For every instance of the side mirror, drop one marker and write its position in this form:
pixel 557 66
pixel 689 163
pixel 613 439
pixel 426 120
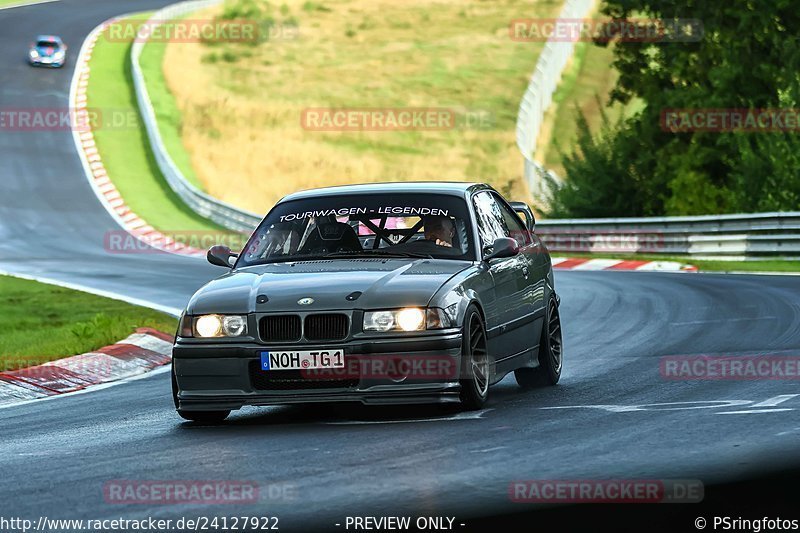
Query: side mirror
pixel 525 214
pixel 221 256
pixel 503 247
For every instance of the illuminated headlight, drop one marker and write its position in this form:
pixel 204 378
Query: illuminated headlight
pixel 59 55
pixel 34 54
pixel 208 326
pixel 411 319
pixel 407 319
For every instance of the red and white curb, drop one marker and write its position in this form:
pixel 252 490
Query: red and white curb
pixel 93 166
pixel 565 263
pixel 135 355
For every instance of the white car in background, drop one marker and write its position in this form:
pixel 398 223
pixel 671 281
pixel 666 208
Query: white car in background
pixel 47 51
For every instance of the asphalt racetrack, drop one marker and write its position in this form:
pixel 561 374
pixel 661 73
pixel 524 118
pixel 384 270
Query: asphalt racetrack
pixel 612 416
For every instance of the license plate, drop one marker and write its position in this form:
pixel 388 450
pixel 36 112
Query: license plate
pixel 302 360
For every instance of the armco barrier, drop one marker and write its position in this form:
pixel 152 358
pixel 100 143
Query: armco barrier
pixel 765 235
pixel 539 95
pixel 205 205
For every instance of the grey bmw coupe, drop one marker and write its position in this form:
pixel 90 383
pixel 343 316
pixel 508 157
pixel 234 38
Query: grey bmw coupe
pixel 396 293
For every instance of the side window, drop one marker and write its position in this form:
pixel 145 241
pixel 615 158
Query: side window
pixel 491 222
pixel 514 224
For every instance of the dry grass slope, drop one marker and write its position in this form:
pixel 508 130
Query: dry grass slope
pixel 242 103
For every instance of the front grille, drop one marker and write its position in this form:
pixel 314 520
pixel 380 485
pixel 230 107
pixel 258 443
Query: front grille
pixel 279 328
pixel 326 327
pixel 293 380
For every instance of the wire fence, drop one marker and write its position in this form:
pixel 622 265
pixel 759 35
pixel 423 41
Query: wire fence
pixel 539 95
pixel 203 204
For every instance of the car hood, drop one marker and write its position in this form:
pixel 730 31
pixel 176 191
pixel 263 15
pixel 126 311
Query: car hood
pixel 383 283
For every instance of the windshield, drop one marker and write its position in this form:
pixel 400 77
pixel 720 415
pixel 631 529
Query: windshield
pixel 375 225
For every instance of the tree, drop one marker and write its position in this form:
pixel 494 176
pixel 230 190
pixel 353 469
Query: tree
pixel 747 57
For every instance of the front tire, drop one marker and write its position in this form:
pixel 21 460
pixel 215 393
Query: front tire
pixel 475 367
pixel 551 352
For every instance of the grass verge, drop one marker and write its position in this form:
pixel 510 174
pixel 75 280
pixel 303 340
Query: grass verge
pixel 123 144
pixel 18 3
pixel 766 265
pixel 40 322
pixel 242 104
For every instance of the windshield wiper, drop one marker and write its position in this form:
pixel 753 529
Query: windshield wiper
pixel 380 253
pixel 342 255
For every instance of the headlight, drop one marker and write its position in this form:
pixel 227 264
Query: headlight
pixel 208 326
pixel 411 319
pixel 234 325
pixel 34 54
pixel 407 319
pixel 379 320
pixel 59 55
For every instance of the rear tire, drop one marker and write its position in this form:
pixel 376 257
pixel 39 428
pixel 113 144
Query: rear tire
pixel 203 417
pixel 551 354
pixel 475 367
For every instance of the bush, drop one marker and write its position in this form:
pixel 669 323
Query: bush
pixel 605 176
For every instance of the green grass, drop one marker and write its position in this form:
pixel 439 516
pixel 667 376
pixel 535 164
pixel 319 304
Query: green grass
pixel 242 103
pixel 767 265
pixel 169 118
pixel 15 3
pixel 40 322
pixel 125 149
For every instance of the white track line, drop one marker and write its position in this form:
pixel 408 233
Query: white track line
pixel 756 411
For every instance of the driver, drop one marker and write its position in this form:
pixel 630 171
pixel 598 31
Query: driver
pixel 439 230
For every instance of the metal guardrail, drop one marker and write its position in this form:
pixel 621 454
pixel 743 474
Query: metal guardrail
pixel 539 95
pixel 205 205
pixel 746 236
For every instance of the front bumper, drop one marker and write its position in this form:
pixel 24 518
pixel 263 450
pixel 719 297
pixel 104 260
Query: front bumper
pixel 41 62
pixel 226 376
